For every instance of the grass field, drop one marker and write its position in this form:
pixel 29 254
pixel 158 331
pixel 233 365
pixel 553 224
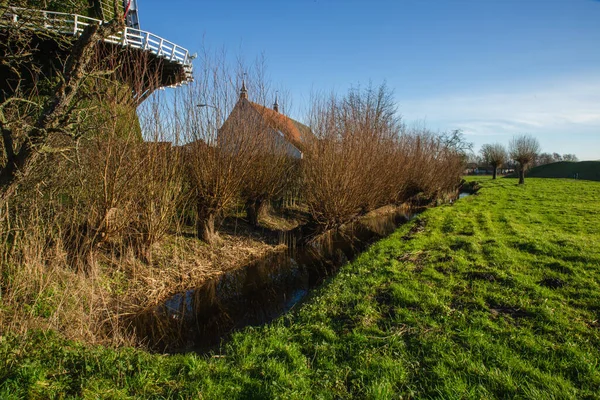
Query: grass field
pixel 496 296
pixel 588 170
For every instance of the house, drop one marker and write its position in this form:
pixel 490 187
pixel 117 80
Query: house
pixel 292 135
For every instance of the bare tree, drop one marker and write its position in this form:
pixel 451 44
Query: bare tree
pixel 524 150
pixel 241 159
pixel 544 158
pixel 365 158
pixel 431 165
pixel 494 155
pixel 271 172
pixel 25 122
pixel 455 140
pixel 349 168
pixel 547 158
pixel 557 157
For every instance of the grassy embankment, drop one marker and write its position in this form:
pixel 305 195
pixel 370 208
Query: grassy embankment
pixel 495 296
pixel 588 170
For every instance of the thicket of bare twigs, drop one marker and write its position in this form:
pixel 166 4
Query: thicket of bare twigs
pixel 363 157
pixel 227 162
pixel 82 198
pixel 94 220
pixel 88 213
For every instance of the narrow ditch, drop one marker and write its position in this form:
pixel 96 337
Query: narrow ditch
pixel 258 293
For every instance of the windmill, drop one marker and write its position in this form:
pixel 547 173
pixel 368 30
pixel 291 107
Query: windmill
pixel 131 14
pixel 171 63
pixel 128 8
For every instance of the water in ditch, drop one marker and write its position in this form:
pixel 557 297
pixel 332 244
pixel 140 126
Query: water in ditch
pixel 199 319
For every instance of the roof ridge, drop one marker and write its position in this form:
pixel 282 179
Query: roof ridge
pixel 277 113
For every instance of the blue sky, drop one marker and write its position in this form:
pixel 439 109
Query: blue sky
pixel 494 68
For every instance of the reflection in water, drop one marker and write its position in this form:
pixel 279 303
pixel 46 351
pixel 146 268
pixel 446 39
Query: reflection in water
pixel 198 319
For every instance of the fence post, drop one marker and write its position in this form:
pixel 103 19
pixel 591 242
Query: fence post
pixel 75 26
pixel 160 46
pixel 146 42
pixel 124 40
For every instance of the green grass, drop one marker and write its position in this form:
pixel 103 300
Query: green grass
pixel 497 296
pixel 589 170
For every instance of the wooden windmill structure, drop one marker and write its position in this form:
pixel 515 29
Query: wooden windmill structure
pixel 165 64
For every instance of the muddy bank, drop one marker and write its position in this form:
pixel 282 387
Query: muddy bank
pixel 269 286
pixel 198 319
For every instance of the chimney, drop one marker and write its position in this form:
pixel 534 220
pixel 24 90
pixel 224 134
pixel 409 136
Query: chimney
pixel 243 91
pixel 276 105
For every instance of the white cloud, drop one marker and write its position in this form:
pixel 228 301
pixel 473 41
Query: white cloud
pixel 567 109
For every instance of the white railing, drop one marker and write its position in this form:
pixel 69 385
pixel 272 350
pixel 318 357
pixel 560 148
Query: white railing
pixel 74 24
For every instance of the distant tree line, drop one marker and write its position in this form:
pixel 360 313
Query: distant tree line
pixel 547 158
pixel 523 153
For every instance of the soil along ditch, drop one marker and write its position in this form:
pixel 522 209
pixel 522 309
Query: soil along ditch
pixel 198 319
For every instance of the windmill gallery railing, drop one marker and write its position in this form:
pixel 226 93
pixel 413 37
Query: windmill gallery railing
pixel 73 24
